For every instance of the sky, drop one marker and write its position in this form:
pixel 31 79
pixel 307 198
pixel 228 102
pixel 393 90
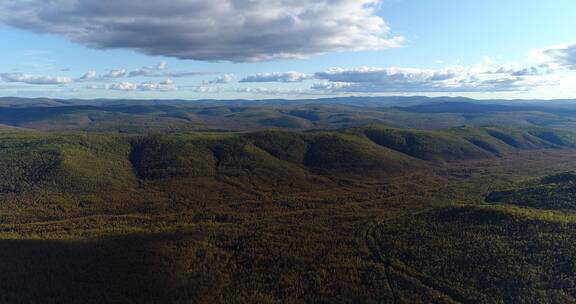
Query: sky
pixel 256 49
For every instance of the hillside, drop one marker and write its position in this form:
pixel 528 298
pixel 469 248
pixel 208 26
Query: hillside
pixel 362 214
pixel 84 162
pixel 474 254
pixel 554 192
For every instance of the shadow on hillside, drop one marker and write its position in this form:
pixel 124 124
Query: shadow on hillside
pixel 135 269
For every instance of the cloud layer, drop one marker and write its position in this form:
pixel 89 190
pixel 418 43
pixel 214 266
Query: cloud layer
pixel 224 79
pixel 233 30
pixel 557 56
pixel 35 79
pixel 277 77
pixel 164 86
pixel 454 79
pixel 545 67
pixel 148 70
pixel 482 77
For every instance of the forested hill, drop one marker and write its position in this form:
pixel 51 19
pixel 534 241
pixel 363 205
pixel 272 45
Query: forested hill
pixel 282 160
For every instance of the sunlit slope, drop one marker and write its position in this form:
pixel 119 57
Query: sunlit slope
pixel 480 255
pixel 69 163
pixel 465 143
pixel 91 162
pixel 554 192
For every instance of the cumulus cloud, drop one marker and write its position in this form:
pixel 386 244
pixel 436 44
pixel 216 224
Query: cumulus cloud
pixel 278 77
pixel 90 75
pixel 163 86
pixel 387 75
pixel 167 85
pixel 123 86
pixel 206 89
pixel 158 71
pixel 183 74
pixel 331 86
pixel 149 70
pixel 116 73
pixel 557 56
pixel 36 79
pixel 232 30
pixel 224 79
pixel 454 79
pixel 270 91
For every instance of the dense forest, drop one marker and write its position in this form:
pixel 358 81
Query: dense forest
pixel 148 203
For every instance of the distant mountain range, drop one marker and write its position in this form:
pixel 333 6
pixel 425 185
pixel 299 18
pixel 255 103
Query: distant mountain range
pixel 379 101
pixel 136 116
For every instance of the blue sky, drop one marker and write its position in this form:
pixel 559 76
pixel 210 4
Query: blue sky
pixel 481 49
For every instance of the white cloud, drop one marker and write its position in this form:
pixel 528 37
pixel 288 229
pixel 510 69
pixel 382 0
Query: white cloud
pixel 270 91
pixel 123 86
pixel 387 75
pixel 164 86
pixel 36 79
pixel 95 87
pixel 479 78
pixel 116 73
pixel 224 79
pixel 206 89
pixel 90 75
pixel 277 77
pixel 233 30
pixel 182 74
pixel 331 86
pixel 158 71
pixel 149 70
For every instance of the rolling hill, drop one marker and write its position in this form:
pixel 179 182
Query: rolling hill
pixel 156 202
